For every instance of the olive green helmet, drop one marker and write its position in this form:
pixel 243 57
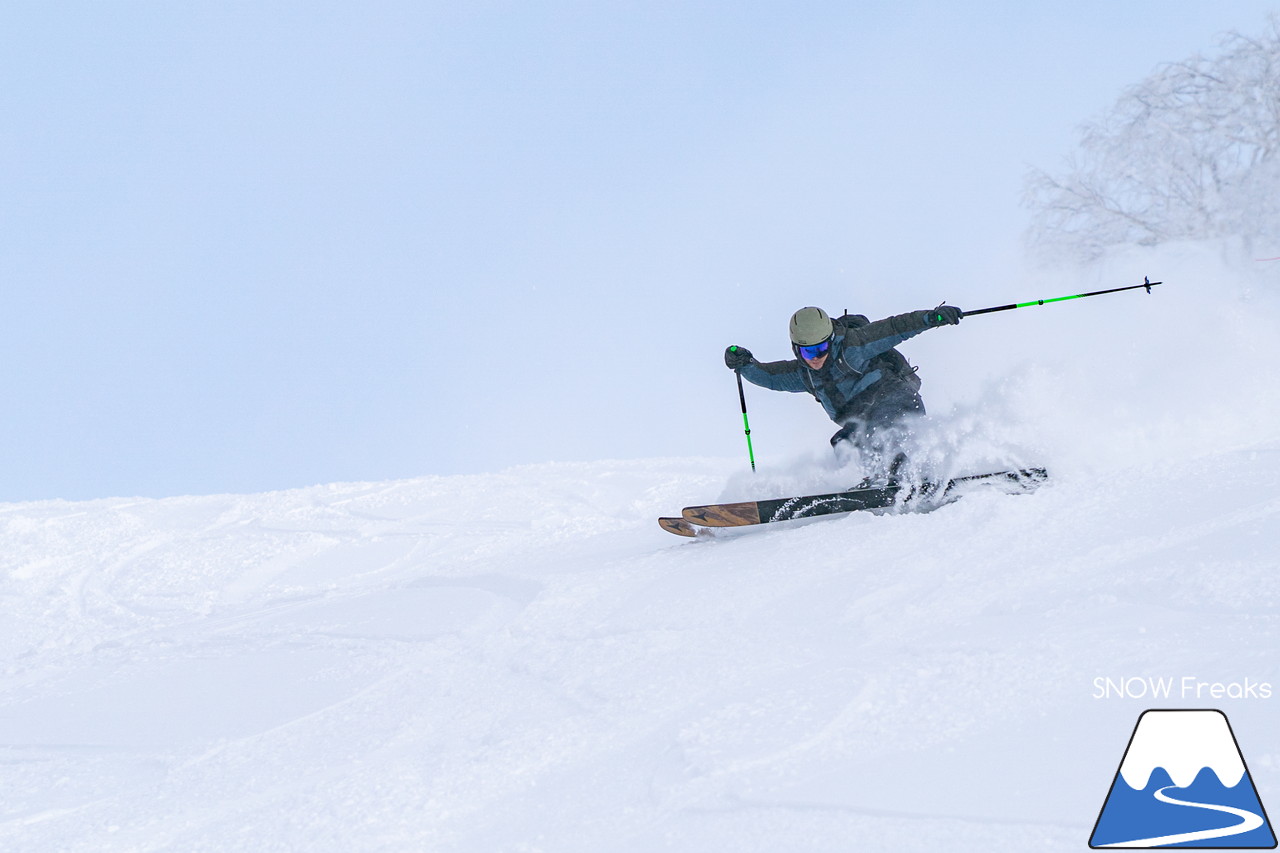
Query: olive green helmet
pixel 810 326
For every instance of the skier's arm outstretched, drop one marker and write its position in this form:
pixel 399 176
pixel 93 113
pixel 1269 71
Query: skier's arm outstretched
pixel 863 343
pixel 774 375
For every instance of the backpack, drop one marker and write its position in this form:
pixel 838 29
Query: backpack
pixel 891 363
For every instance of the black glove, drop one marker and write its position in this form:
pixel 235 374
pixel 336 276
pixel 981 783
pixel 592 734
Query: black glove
pixel 735 357
pixel 943 315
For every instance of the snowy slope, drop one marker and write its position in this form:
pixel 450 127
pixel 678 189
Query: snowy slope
pixel 524 661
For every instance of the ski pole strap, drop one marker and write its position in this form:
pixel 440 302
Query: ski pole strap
pixel 1147 284
pixel 746 425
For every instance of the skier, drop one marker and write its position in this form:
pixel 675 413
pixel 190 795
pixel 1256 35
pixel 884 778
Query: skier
pixel 850 365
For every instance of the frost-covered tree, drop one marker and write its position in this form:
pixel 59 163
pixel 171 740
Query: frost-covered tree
pixel 1191 152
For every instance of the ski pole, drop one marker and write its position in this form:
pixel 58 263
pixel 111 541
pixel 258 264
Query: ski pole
pixel 746 426
pixel 1146 283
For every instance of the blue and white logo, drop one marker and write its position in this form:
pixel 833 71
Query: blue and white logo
pixel 1183 783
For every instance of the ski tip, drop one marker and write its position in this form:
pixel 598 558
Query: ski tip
pixel 678 526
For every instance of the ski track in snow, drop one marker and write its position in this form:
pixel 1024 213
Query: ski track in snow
pixel 524 661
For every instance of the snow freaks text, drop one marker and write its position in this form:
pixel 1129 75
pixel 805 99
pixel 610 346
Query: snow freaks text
pixel 1186 687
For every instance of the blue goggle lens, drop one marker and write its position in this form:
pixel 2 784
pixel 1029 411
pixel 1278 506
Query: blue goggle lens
pixel 815 351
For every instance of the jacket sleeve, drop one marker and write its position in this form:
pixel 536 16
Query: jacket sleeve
pixel 775 375
pixel 867 342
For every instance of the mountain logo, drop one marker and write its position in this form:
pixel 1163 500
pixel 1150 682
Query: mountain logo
pixel 1183 783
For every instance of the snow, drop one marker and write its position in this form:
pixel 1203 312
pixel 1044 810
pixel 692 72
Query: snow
pixel 524 661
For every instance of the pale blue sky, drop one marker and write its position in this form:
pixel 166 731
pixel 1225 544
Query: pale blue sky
pixel 250 246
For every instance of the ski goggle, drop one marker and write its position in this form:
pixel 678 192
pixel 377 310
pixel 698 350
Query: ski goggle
pixel 816 351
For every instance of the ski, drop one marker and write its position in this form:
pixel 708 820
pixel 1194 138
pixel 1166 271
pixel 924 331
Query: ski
pixel 882 496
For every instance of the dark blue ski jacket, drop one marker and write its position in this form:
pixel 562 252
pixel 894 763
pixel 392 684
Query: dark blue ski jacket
pixel 862 366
